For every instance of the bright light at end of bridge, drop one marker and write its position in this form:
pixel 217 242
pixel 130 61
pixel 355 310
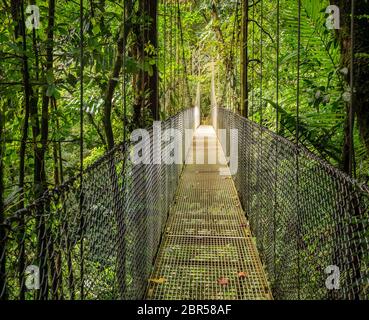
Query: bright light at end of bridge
pixel 174 146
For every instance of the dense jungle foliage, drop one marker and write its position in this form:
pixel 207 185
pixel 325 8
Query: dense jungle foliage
pixel 127 63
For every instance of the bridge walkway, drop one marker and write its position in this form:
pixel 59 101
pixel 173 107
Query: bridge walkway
pixel 207 252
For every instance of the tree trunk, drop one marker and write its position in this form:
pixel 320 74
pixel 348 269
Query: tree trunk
pixel 151 35
pixel 361 72
pixel 226 55
pixel 113 183
pixel 145 82
pixel 345 41
pixel 354 57
pixel 108 101
pixel 19 30
pixel 360 106
pixel 137 80
pixel 40 140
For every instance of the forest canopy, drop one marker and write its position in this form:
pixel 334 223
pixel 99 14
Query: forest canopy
pixel 94 77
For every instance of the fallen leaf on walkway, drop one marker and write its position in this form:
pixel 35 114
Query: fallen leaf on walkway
pixel 223 281
pixel 242 275
pixel 158 281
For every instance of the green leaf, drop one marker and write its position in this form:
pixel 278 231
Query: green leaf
pixel 50 90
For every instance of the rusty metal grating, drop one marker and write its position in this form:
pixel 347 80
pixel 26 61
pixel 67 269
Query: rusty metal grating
pixel 207 252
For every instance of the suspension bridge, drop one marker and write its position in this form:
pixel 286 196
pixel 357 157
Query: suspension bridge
pixel 284 225
pixel 184 231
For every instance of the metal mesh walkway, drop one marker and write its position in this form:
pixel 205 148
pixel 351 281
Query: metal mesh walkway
pixel 207 252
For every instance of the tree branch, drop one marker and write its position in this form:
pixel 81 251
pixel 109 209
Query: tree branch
pixel 262 29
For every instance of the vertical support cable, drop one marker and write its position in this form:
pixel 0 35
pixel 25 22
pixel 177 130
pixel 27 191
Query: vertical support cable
pixel 234 72
pixel 27 93
pixel 352 97
pixel 165 57
pixel 171 57
pixel 253 69
pixel 259 195
pixel 124 84
pixel 181 52
pixel 81 145
pixel 3 276
pixel 357 247
pixel 250 128
pixel 177 53
pixel 140 76
pixel 185 82
pixel 277 67
pixel 275 208
pixel 251 115
pixel 297 150
pixel 261 65
pixel 121 237
pixel 244 59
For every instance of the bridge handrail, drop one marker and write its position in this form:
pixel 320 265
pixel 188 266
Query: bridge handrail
pixel 98 240
pixel 301 148
pixel 310 220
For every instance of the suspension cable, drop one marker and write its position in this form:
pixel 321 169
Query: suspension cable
pixel 143 35
pixel 178 55
pixel 81 47
pixel 171 73
pixel 277 68
pixel 165 57
pixel 297 149
pixel 275 207
pixel 261 64
pixel 185 82
pixel 298 75
pixel 176 71
pixel 180 76
pixel 258 222
pixel 124 84
pixel 231 55
pixel 253 69
pixel 352 166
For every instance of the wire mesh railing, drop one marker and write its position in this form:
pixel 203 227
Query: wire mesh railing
pixel 310 220
pixel 98 240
